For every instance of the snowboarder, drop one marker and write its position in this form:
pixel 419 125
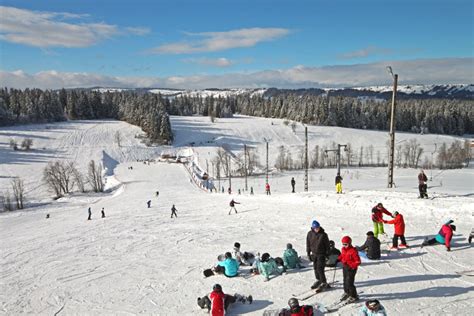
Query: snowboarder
pixel 290 258
pixel 444 236
pixel 173 211
pixel 399 223
pixel 333 256
pixel 350 262
pixel 317 248
pixel 103 212
pixel 268 266
pixel 377 218
pixel 243 258
pixel 338 183
pixel 90 214
pixel 267 189
pixel 371 246
pixel 293 183
pixel 148 203
pixel 229 267
pixel 297 310
pixel 217 302
pixel 372 308
pixel 232 206
pixel 422 186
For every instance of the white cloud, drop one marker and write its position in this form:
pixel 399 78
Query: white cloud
pixel 218 41
pixel 48 29
pixel 215 62
pixel 365 52
pixel 420 71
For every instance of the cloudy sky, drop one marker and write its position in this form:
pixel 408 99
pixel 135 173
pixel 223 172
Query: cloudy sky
pixel 226 44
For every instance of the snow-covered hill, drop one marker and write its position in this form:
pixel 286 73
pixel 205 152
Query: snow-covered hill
pixel 139 260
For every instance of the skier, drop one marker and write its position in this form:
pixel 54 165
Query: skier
pixel 267 266
pixel 217 302
pixel 372 308
pixel 229 190
pixel 232 206
pixel 422 186
pixel 251 190
pixel 444 236
pixel 157 193
pixel 239 191
pixel 333 256
pixel 297 310
pixel 243 258
pixel 267 189
pixel 290 258
pixel 90 214
pixel 338 183
pixel 103 212
pixel 317 248
pixel 371 246
pixel 222 189
pixel 229 267
pixel 350 261
pixel 377 218
pixel 173 211
pixel 293 182
pixel 47 216
pixel 399 223
pixel 148 203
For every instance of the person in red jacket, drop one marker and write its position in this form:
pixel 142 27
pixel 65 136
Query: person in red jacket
pixel 399 223
pixel 267 189
pixel 217 302
pixel 350 262
pixel 377 218
pixel 297 310
pixel 444 236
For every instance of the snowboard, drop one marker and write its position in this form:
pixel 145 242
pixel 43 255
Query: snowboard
pixel 318 309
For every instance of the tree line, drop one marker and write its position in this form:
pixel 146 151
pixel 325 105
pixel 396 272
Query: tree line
pixel 147 111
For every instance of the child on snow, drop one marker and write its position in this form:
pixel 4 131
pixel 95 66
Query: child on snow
pixel 267 266
pixel 350 262
pixel 444 236
pixel 377 218
pixel 333 256
pixel 290 258
pixel 399 223
pixel 229 267
pixel 232 206
pixel 173 211
pixel 371 246
pixel 297 310
pixel 217 302
pixel 243 258
pixel 372 308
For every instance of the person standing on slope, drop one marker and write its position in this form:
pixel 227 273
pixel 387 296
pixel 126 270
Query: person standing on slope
pixel 293 183
pixel 267 189
pixel 422 186
pixel 444 236
pixel 399 223
pixel 317 249
pixel 350 262
pixel 90 214
pixel 338 183
pixel 173 211
pixel 103 213
pixel 148 203
pixel 377 218
pixel 232 206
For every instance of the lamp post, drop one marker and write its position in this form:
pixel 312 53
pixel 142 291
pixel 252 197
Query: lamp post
pixel 392 128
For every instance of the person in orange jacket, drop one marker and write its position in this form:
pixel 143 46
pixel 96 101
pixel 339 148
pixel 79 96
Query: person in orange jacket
pixel 399 224
pixel 350 262
pixel 217 302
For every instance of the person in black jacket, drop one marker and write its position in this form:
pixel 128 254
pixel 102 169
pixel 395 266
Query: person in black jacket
pixel 317 248
pixel 371 246
pixel 293 183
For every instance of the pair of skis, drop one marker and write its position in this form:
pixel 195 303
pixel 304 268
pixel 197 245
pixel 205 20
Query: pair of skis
pixel 305 295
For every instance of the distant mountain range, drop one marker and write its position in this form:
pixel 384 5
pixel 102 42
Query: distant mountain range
pixel 449 91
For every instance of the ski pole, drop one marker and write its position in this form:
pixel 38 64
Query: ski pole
pixel 334 275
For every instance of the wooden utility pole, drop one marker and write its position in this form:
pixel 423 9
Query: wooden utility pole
pixel 245 166
pixel 306 159
pixel 267 165
pixel 392 132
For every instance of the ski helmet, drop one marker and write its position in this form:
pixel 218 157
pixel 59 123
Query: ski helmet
pixel 265 257
pixel 289 246
pixel 380 205
pixel 370 233
pixel 237 245
pixel 346 240
pixel 217 287
pixel 228 255
pixel 372 304
pixel 293 302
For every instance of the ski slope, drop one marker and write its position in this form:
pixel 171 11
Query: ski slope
pixel 140 261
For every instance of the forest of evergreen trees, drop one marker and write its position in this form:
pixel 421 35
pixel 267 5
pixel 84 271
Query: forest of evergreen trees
pixel 147 111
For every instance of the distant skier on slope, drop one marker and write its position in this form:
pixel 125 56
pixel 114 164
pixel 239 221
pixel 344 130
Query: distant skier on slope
pixel 89 211
pixel 293 183
pixel 350 262
pixel 399 223
pixel 103 213
pixel 217 302
pixel 173 211
pixel 422 186
pixel 338 183
pixel 148 203
pixel 267 189
pixel 377 218
pixel 371 246
pixel 444 236
pixel 232 206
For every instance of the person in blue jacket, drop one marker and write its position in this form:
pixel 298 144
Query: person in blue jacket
pixel 372 308
pixel 229 266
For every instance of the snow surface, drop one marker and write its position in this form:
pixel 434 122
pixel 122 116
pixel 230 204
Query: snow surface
pixel 140 261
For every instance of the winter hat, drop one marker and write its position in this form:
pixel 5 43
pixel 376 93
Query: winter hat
pixel 217 287
pixel 293 302
pixel 395 213
pixel 315 224
pixel 370 233
pixel 265 257
pixel 346 240
pixel 453 227
pixel 289 246
pixel 228 255
pixel 380 205
pixel 372 304
pixel 237 245
pixel 332 243
pixel 449 222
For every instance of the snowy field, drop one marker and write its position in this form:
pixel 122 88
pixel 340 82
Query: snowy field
pixel 140 261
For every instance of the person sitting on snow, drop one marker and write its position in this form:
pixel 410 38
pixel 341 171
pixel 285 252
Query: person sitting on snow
pixel 444 236
pixel 229 266
pixel 217 302
pixel 371 246
pixel 290 258
pixel 297 310
pixel 267 266
pixel 333 256
pixel 244 258
pixel 372 308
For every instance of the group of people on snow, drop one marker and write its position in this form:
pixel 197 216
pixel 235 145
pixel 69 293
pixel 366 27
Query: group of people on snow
pixel 89 212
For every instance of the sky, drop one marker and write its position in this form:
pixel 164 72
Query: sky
pixel 229 44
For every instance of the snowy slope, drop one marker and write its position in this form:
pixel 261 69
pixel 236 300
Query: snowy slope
pixel 139 260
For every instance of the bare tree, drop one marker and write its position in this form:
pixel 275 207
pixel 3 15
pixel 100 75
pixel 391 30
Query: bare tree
pixel 79 180
pixel 95 177
pixel 18 192
pixel 59 176
pixel 13 144
pixel 27 143
pixel 7 201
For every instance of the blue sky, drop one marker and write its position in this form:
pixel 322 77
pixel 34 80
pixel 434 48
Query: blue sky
pixel 282 43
